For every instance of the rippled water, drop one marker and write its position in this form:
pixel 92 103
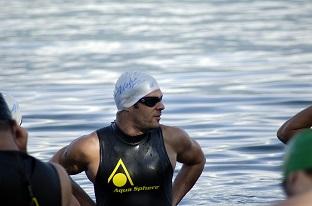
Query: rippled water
pixel 232 72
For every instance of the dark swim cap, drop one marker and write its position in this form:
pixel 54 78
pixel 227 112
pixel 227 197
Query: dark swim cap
pixel 298 153
pixel 9 109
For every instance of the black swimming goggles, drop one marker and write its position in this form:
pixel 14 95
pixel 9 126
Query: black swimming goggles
pixel 150 101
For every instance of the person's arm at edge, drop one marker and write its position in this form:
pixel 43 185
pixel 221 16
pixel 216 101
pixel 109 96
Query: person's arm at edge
pixel 64 158
pixel 193 160
pixel 68 198
pixel 301 120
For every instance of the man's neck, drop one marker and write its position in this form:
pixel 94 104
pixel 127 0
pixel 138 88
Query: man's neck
pixel 128 128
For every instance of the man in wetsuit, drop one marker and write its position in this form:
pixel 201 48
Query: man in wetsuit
pixel 297 170
pixel 24 180
pixel 131 161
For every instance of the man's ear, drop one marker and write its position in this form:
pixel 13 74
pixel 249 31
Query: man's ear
pixel 293 177
pixel 20 136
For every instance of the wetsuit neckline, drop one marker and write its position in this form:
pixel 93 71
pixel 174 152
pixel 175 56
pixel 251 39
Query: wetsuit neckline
pixel 132 140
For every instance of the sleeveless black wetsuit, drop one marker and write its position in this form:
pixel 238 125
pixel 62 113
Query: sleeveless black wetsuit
pixel 133 171
pixel 43 177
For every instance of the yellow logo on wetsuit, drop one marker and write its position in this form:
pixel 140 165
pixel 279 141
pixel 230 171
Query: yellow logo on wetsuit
pixel 120 179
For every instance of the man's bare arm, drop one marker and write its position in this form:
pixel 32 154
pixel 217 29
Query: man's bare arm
pixel 75 158
pixel 301 120
pixel 193 160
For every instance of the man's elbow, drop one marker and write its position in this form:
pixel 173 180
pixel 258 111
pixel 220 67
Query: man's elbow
pixel 282 135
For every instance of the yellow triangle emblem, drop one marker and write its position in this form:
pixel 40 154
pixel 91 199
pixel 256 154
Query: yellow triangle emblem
pixel 120 179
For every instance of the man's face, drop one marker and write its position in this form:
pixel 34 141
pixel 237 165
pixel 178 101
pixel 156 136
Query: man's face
pixel 147 111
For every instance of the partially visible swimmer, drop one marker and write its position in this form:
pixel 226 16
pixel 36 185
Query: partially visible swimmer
pixel 25 180
pixel 297 170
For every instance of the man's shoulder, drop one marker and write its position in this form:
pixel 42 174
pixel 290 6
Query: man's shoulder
pixel 173 130
pixel 14 157
pixel 169 127
pixel 86 142
pixel 175 136
pixel 89 137
pixel 46 169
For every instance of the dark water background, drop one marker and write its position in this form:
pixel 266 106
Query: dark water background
pixel 231 72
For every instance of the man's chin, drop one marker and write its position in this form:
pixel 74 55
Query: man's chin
pixel 155 125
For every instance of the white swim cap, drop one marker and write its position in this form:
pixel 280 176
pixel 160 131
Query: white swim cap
pixel 131 87
pixel 13 108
